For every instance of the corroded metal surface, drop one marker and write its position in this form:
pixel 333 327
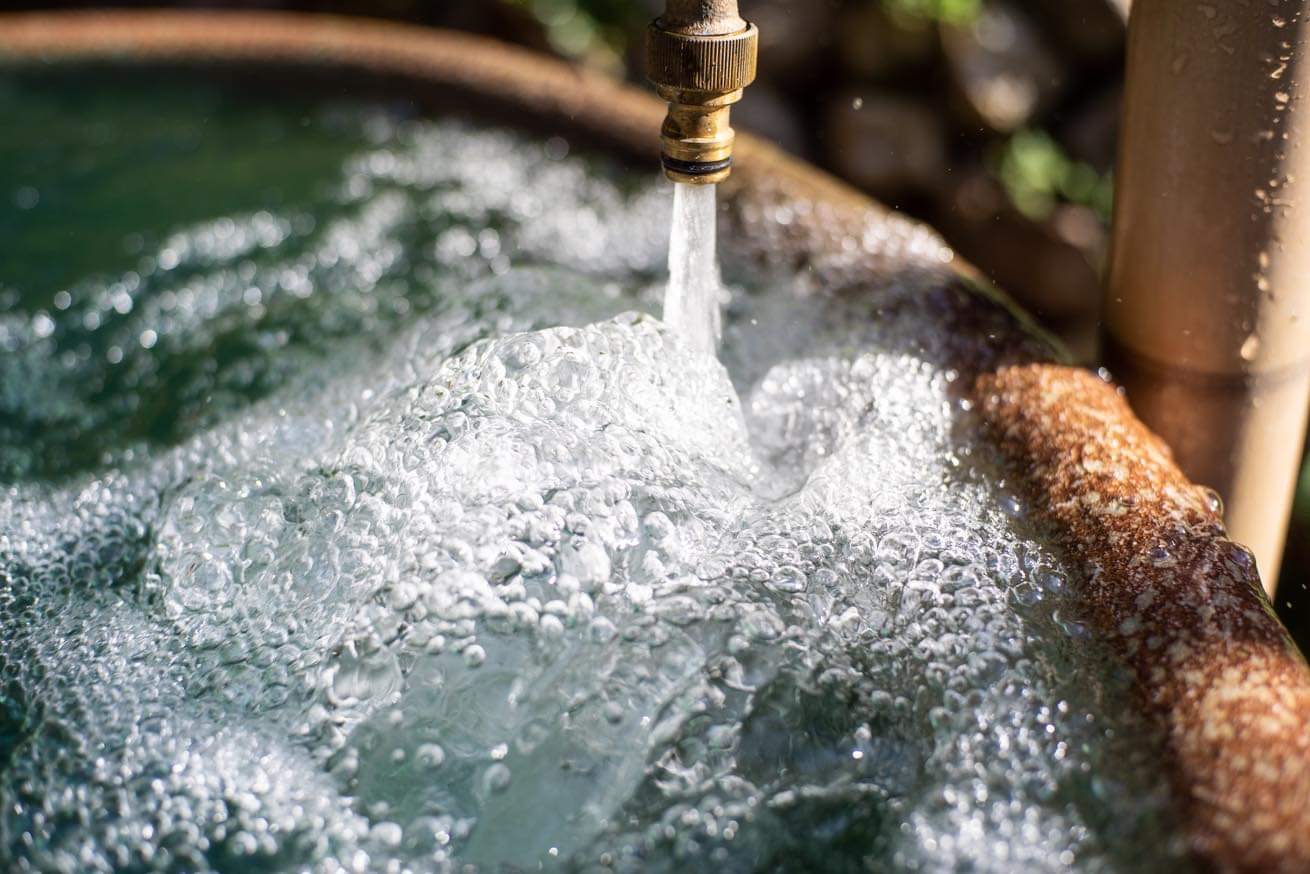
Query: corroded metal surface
pixel 1179 603
pixel 702 16
pixel 699 57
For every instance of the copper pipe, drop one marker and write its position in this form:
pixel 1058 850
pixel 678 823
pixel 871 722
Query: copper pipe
pixel 1207 311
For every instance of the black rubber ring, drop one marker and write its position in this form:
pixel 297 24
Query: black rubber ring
pixel 695 168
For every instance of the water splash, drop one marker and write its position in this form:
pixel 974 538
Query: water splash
pixel 694 295
pixel 423 580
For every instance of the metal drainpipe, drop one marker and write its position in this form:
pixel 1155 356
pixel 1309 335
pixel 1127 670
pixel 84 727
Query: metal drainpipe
pixel 1207 310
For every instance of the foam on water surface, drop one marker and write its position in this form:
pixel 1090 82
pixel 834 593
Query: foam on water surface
pixel 456 555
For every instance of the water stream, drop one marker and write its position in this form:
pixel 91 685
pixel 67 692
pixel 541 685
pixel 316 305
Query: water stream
pixel 693 300
pixel 357 513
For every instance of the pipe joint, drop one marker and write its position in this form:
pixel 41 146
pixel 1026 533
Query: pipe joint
pixel 701 75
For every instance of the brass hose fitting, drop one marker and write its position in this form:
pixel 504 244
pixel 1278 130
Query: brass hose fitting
pixel 700 55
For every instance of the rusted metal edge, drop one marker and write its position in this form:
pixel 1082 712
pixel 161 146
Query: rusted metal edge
pixel 1178 602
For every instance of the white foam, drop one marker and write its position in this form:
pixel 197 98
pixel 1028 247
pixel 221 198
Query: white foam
pixel 468 586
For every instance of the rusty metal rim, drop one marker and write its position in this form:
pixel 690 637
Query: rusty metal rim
pixel 1211 663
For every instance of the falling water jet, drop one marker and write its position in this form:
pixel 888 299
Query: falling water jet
pixel 699 56
pixel 694 294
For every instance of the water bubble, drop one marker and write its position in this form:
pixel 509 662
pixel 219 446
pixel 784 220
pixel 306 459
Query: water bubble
pixel 438 510
pixel 586 562
pixel 42 325
pixel 430 755
pixel 1051 581
pixel 387 834
pixel 496 779
pixel 373 674
pixel 27 197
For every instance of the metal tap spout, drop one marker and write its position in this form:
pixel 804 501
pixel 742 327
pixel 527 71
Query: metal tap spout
pixel 700 55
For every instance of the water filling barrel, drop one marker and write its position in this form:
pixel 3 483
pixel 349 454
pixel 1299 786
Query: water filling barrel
pixel 357 512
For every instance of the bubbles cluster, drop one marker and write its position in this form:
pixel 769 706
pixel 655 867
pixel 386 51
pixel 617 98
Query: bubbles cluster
pixel 494 570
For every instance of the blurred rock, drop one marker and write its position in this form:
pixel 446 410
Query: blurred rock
pixel 884 143
pixel 874 46
pixel 1001 66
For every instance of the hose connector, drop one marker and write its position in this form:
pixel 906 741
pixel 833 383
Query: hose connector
pixel 700 65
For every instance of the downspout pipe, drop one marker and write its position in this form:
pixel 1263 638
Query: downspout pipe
pixel 1206 319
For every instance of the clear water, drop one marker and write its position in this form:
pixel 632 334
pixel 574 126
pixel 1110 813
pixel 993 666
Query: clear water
pixel 693 298
pixel 452 554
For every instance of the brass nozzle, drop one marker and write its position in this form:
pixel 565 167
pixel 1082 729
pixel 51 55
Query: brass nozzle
pixel 700 64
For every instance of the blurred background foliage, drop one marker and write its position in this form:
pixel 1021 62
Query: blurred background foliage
pixel 993 120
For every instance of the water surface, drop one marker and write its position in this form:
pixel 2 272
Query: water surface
pixel 359 514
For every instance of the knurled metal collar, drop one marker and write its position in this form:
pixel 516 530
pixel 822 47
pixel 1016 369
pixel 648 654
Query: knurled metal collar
pixel 718 64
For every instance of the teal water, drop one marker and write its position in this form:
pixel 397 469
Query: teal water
pixel 358 514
